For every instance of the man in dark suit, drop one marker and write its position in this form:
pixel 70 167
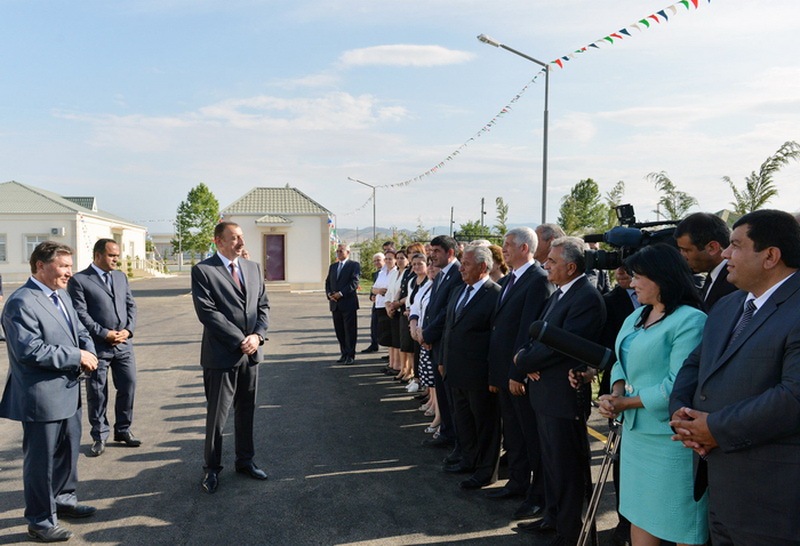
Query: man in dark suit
pixel 524 293
pixel 103 301
pixel 341 287
pixel 735 400
pixel 701 238
pixel 48 350
pixel 231 302
pixel 561 411
pixel 446 283
pixel 465 369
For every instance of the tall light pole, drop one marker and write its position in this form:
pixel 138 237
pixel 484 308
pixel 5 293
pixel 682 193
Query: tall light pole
pixel 374 234
pixel 491 41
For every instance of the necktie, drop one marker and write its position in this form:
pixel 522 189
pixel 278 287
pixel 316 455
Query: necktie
pixel 553 301
pixel 107 279
pixel 235 275
pixel 463 301
pixel 436 282
pixel 706 287
pixel 509 286
pixel 57 302
pixel 749 309
pixel 339 269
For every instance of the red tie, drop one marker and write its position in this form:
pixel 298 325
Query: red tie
pixel 235 276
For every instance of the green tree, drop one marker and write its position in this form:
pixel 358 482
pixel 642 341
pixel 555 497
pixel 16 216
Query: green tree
pixel 472 230
pixel 196 218
pixel 759 187
pixel 420 234
pixel 502 217
pixel 582 210
pixel 614 199
pixel 366 250
pixel 673 204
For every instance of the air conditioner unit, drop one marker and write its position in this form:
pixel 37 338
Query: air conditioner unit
pixel 58 231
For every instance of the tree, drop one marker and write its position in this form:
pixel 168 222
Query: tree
pixel 502 217
pixel 673 204
pixel 614 199
pixel 759 187
pixel 471 230
pixel 196 218
pixel 582 210
pixel 420 234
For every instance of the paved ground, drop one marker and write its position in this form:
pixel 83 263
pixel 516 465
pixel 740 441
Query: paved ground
pixel 341 445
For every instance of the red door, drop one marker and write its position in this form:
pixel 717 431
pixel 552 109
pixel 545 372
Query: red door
pixel 274 252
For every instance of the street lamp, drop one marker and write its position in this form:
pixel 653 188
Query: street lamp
pixel 374 234
pixel 491 41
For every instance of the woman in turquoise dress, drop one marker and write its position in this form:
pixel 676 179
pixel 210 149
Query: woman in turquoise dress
pixel 656 476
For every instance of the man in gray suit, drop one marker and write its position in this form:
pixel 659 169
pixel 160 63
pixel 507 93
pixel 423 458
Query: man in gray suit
pixel 103 301
pixel 49 351
pixel 231 303
pixel 736 400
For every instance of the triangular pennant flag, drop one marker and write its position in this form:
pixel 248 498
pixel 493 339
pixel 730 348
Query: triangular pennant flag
pixel 615 35
pixel 655 18
pixel 559 63
pixel 663 14
pixel 646 23
pixel 594 46
pixel 609 39
pixel 695 3
pixel 685 3
pixel 624 31
pixel 637 27
pixel 672 9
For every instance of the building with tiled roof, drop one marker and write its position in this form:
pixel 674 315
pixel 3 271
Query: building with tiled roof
pixel 286 232
pixel 30 215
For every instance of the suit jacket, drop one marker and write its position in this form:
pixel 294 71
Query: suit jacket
pixel 44 357
pixel 101 308
pixel 618 307
pixel 721 288
pixel 227 315
pixel 580 311
pixel 346 283
pixel 436 312
pixel 750 390
pixel 511 319
pixel 466 338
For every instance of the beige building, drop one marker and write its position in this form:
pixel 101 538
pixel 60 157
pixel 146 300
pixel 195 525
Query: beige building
pixel 31 215
pixel 287 233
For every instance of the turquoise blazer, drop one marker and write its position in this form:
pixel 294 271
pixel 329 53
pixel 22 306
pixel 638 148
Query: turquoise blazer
pixel 653 359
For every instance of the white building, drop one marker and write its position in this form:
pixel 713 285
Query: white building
pixel 287 233
pixel 31 215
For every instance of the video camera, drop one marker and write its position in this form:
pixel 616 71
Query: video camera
pixel 629 236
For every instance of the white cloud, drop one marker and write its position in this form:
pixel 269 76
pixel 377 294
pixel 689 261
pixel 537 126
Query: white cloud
pixel 404 55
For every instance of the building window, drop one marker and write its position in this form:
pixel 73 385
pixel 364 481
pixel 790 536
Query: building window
pixel 3 251
pixel 30 243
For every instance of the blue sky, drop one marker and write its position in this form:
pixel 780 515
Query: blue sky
pixel 136 102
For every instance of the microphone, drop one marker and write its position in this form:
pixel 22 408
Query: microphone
pixel 573 346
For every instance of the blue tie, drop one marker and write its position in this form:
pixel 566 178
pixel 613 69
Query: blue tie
pixel 57 302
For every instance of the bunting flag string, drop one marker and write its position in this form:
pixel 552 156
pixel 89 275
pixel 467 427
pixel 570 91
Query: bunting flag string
pixel 367 202
pixel 624 33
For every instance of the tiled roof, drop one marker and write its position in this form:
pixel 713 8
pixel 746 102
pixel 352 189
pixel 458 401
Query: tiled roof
pixel 86 202
pixel 275 201
pixel 21 198
pixel 273 219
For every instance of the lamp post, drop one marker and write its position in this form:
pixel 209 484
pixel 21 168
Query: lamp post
pixel 374 234
pixel 491 41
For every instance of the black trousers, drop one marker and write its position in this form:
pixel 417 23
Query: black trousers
pixel 123 375
pixel 521 440
pixel 477 417
pixel 225 387
pixel 345 324
pixel 50 468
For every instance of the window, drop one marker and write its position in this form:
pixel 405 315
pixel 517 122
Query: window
pixel 3 251
pixel 30 243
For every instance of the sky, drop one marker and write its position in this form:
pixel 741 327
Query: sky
pixel 137 102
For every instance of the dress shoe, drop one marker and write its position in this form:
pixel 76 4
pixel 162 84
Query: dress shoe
pixel 451 459
pixel 540 527
pixel 349 360
pixel 210 482
pixel 341 359
pixel 503 493
pixel 51 534
pixel 385 357
pixel 437 442
pixel 370 349
pixel 75 512
pixel 98 447
pixel 474 483
pixel 527 511
pixel 127 437
pixel 456 468
pixel 253 471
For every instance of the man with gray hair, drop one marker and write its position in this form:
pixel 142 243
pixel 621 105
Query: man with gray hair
pixel 465 370
pixel 546 233
pixel 341 288
pixel 561 411
pixel 524 293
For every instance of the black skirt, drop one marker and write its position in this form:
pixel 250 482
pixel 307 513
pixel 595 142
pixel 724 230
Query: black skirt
pixel 384 328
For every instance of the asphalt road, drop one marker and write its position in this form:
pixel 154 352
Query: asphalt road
pixel 341 445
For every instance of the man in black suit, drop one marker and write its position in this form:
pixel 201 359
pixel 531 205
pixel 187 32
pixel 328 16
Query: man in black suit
pixel 446 283
pixel 103 301
pixel 465 369
pixel 735 400
pixel 341 287
pixel 561 411
pixel 49 352
pixel 701 238
pixel 524 293
pixel 231 302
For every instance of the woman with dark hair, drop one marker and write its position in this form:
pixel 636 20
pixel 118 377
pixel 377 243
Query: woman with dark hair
pixel 656 483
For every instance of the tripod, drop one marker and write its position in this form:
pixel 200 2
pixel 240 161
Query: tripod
pixel 611 450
